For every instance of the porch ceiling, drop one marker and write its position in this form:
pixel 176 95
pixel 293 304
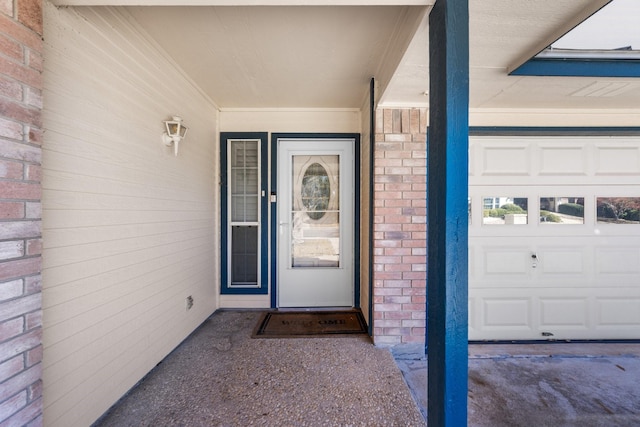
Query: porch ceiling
pixel 503 35
pixel 321 54
pixel 283 56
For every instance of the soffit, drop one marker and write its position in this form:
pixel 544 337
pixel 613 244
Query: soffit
pixel 502 36
pixel 281 56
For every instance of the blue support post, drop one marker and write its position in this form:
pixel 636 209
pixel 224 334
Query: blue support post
pixel 447 214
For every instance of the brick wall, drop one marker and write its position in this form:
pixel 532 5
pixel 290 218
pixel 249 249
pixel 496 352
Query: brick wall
pixel 400 244
pixel 21 65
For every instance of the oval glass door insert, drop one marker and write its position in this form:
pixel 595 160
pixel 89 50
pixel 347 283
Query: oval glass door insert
pixel 316 191
pixel 315 216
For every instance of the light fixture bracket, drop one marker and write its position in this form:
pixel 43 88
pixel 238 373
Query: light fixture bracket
pixel 175 131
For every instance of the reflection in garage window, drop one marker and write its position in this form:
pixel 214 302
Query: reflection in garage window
pixel 618 210
pixel 562 210
pixel 505 210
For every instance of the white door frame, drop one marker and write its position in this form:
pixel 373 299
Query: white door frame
pixel 285 146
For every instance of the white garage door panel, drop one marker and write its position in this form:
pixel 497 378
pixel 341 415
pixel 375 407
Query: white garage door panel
pixel 614 313
pixel 513 266
pixel 617 160
pixel 543 280
pixel 620 261
pixel 512 261
pixel 557 314
pixel 472 315
pixel 512 160
pixel 556 160
pixel 564 313
pixel 506 313
pixel 578 160
pixel 562 261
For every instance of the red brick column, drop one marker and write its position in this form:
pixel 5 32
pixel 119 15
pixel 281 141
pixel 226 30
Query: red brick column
pixel 21 65
pixel 400 229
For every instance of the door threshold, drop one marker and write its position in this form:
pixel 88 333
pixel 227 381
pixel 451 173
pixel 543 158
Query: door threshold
pixel 337 308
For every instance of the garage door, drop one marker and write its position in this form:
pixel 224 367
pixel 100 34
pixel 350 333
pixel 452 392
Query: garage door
pixel 554 238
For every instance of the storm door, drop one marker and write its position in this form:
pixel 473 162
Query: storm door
pixel 315 223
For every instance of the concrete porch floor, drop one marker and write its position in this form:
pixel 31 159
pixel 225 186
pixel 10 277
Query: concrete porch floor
pixel 220 376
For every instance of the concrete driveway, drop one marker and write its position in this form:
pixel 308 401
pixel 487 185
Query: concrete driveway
pixel 556 384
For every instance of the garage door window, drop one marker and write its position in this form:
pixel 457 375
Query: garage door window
pixel 562 210
pixel 618 210
pixel 504 210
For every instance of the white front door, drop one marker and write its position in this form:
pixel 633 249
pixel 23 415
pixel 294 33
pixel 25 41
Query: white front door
pixel 315 223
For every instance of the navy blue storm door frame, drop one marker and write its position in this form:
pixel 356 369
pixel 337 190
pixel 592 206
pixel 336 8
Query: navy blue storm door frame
pixel 244 213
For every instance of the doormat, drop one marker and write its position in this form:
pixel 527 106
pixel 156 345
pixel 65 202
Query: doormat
pixel 299 324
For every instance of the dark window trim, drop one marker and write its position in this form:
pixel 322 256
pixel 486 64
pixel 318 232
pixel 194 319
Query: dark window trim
pixel 356 210
pixel 264 213
pixel 570 67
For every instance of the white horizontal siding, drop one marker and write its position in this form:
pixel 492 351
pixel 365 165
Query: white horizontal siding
pixel 291 120
pixel 129 230
pixel 245 301
pixel 553 117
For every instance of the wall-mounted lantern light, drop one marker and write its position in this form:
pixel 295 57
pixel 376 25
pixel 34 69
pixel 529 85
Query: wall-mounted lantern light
pixel 175 131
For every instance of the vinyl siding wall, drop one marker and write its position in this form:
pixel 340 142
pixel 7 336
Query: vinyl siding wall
pixel 130 230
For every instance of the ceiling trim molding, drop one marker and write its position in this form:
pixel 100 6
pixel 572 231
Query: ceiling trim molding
pixel 403 105
pixel 285 109
pixel 243 2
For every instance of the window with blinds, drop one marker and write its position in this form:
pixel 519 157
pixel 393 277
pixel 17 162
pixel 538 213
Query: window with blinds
pixel 244 212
